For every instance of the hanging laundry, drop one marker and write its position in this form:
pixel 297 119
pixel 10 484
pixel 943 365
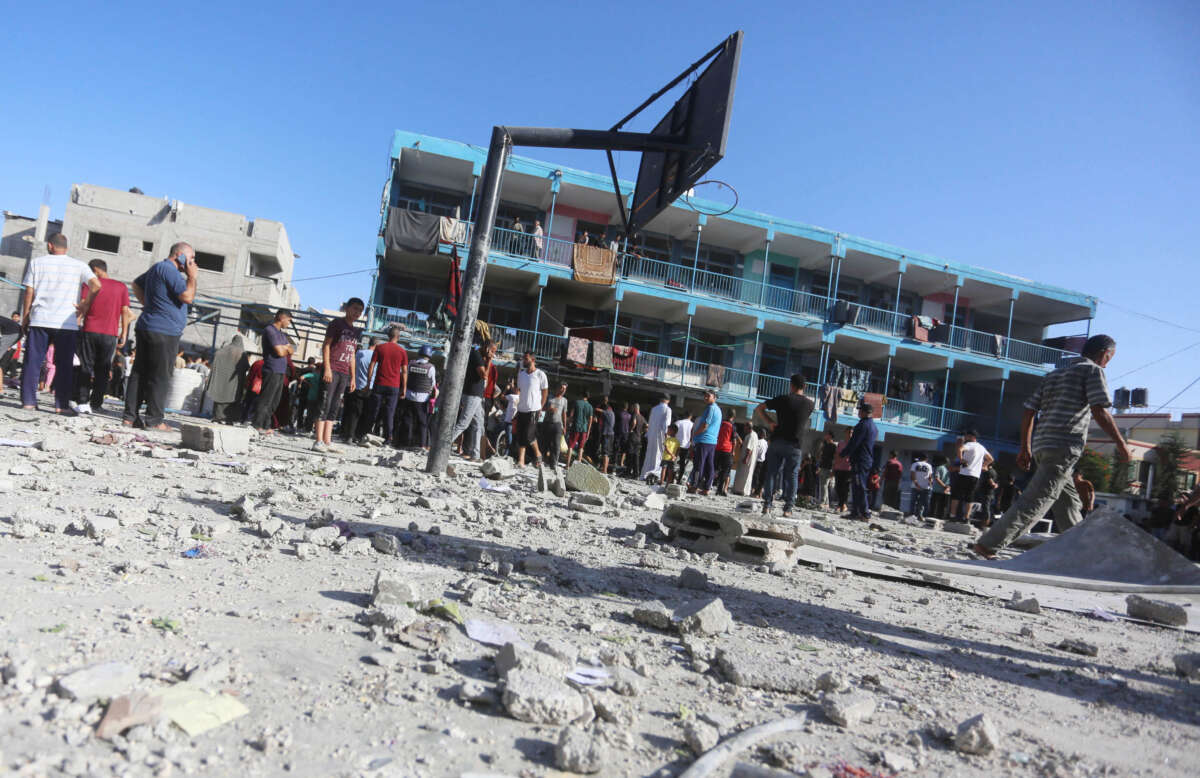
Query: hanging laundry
pixel 412 231
pixel 594 265
pixel 625 359
pixel 602 355
pixel 828 395
pixel 716 375
pixel 577 350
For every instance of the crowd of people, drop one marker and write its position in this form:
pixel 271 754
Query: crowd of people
pixel 72 337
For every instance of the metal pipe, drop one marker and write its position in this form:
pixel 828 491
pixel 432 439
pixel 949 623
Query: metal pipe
pixel 687 346
pixel 954 313
pixel 696 256
pixel 464 325
pixel 537 318
pixel 896 309
pixel 762 288
pixel 1008 333
pixel 887 376
pixel 471 207
pixel 1000 406
pixel 601 140
pixel 550 222
pixel 837 278
pixel 945 396
pixel 616 315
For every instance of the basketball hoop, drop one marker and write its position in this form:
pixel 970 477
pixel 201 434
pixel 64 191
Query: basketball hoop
pixel 720 188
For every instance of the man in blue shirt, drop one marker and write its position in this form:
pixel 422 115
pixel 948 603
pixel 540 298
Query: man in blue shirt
pixel 276 351
pixel 165 290
pixel 704 444
pixel 860 450
pixel 355 417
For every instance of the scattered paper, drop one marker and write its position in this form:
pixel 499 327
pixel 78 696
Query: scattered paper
pixel 16 443
pixel 487 485
pixel 492 633
pixel 1103 615
pixel 196 711
pixel 230 464
pixel 588 676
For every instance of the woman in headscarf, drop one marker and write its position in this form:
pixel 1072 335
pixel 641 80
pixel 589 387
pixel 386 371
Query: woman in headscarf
pixel 225 380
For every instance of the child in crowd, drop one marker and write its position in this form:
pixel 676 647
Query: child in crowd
pixel 873 482
pixel 670 455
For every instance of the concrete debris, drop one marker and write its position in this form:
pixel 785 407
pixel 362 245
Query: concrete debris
pixel 586 503
pixel 704 618
pixel 514 656
pixel 498 468
pixel 654 614
pixel 849 710
pixel 700 736
pixel 1076 646
pixel 756 671
pixel 960 528
pixel 1188 665
pixel 739 536
pixel 538 699
pixel 582 477
pixel 391 589
pixel 977 735
pixel 1158 611
pixel 578 751
pixel 221 439
pixel 691 578
pixel 1019 602
pixel 101 681
pixel 127 711
pixel 386 543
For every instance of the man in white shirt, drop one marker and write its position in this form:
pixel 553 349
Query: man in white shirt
pixel 533 388
pixel 683 433
pixel 922 485
pixel 50 316
pixel 972 458
pixel 656 435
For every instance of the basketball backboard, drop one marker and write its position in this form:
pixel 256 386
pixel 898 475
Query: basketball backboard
pixel 699 119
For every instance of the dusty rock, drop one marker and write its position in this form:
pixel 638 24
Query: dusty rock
pixel 582 477
pixel 959 527
pixel 559 649
pixel 654 502
pixel 497 468
pixel 128 711
pixel 700 736
pixel 832 681
pixel 538 699
pixel 269 528
pixel 674 491
pixel 578 751
pixel 1188 665
pixel 322 536
pixel 478 692
pixel 586 503
pixel 704 618
pixel 654 614
pixel 518 657
pixel 849 710
pixel 537 564
pixel 386 543
pixel 100 526
pixel 691 578
pixel 392 617
pixel 977 735
pixel 750 669
pixel 97 682
pixel 1023 604
pixel 1076 646
pixel 1158 611
pixel 306 551
pixel 391 589
pixel 356 547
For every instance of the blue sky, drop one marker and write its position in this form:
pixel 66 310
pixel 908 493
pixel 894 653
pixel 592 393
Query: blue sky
pixel 1057 141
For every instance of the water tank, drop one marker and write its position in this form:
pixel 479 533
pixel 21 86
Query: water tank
pixel 1121 398
pixel 1139 398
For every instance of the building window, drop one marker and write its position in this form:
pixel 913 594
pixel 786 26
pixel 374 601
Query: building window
pixel 148 246
pixel 213 262
pixel 412 294
pixel 99 241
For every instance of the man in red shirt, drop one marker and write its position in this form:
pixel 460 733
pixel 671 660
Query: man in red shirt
pixel 893 472
pixel 388 374
pixel 105 329
pixel 723 459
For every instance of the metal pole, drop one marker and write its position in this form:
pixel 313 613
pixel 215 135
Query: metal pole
pixel 896 309
pixel 550 221
pixel 616 315
pixel 887 376
pixel 1000 406
pixel 696 256
pixel 471 207
pixel 687 346
pixel 464 325
pixel 945 396
pixel 371 300
pixel 954 314
pixel 1008 333
pixel 537 317
pixel 755 366
pixel 762 288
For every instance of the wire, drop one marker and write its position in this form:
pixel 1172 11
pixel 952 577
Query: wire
pixel 1160 359
pixel 1132 312
pixel 1195 381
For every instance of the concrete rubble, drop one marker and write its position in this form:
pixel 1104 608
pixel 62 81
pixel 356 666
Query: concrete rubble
pixel 352 614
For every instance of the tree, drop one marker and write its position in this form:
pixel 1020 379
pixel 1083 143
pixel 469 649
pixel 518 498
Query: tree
pixel 1095 467
pixel 1119 479
pixel 1169 455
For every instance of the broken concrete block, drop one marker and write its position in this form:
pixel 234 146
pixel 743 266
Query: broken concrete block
pixel 1188 665
pixel 654 501
pixel 1158 611
pixel 1076 646
pixel 674 491
pixel 585 506
pixel 306 551
pixel 212 528
pixel 431 503
pixel 221 439
pixel 321 518
pixel 654 614
pixel 559 649
pixel 386 543
pixel 322 536
pixel 1023 604
pixel 98 682
pixel 699 736
pixel 100 526
pixel 579 751
pixel 129 711
pixel 392 617
pixel 582 477
pixel 497 468
pixel 704 618
pixel 538 699
pixel 977 735
pixel 959 527
pixel 756 672
pixel 391 589
pixel 537 564
pixel 744 537
pixel 269 528
pixel 513 656
pixel 691 578
pixel 849 710
pixel 356 547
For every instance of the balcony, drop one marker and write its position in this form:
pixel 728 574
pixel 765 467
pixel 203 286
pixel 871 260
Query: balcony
pixel 736 384
pixel 752 294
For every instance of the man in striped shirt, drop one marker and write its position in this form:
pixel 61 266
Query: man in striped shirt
pixel 50 315
pixel 1062 407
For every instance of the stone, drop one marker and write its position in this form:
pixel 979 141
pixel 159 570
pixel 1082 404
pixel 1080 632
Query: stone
pixel 832 681
pixel 700 736
pixel 559 649
pixel 538 699
pixel 321 518
pixel 213 528
pixel 977 735
pixel 497 468
pixel 744 668
pixel 654 501
pixel 97 682
pixel 306 551
pixel 578 751
pixel 897 762
pixel 1076 646
pixel 269 528
pixel 691 578
pixel 386 543
pixel 1188 665
pixel 582 477
pixel 431 503
pixel 1023 604
pixel 959 527
pixel 584 505
pixel 515 656
pixel 391 617
pixel 1158 611
pixel 356 547
pixel 849 710
pixel 538 564
pixel 391 589
pixel 100 526
pixel 128 711
pixel 221 439
pixel 613 709
pixel 478 692
pixel 24 528
pixel 322 536
pixel 935 524
pixel 654 614
pixel 674 491
pixel 704 618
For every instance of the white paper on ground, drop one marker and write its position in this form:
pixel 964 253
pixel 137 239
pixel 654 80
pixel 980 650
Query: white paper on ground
pixel 493 633
pixel 588 676
pixel 487 485
pixel 16 443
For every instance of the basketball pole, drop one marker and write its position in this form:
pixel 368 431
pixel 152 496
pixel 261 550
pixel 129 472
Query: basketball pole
pixel 503 139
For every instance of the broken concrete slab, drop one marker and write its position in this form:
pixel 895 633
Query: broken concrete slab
pixel 708 617
pixel 497 468
pixel 391 589
pixel 1158 611
pixel 734 535
pixel 849 710
pixel 654 614
pixel 107 680
pixel 538 699
pixel 582 477
pixel 221 439
pixel 579 751
pixel 1188 665
pixel 757 672
pixel 128 711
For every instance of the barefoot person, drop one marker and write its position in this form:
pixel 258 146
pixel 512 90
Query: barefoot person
pixel 1063 405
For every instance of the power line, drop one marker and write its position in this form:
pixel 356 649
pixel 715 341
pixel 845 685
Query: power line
pixel 1160 359
pixel 1195 381
pixel 1147 316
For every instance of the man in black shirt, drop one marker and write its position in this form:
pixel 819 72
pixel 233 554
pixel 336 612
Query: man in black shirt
pixel 784 454
pixel 470 411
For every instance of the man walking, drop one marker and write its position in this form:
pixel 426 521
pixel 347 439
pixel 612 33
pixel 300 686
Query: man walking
pixel 533 388
pixel 165 291
pixel 581 426
pixel 972 459
pixel 388 377
pixel 921 473
pixel 552 425
pixel 704 445
pixel 50 317
pixel 471 419
pixel 656 436
pixel 683 433
pixel 1063 405
pixel 860 450
pixel 276 350
pixel 105 329
pixel 608 422
pixel 420 386
pixel 785 452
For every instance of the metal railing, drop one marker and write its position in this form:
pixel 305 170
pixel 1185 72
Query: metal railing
pixel 878 319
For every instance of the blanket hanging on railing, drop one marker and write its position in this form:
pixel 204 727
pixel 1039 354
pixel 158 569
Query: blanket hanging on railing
pixel 594 265
pixel 602 355
pixel 625 359
pixel 452 230
pixel 412 231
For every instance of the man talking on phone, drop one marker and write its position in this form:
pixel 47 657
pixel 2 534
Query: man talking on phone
pixel 165 291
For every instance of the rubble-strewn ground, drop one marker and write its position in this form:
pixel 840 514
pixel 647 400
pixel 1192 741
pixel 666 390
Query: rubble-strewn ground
pixel 285 626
